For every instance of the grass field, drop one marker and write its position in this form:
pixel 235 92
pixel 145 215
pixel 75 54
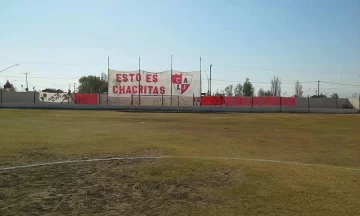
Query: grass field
pixel 195 178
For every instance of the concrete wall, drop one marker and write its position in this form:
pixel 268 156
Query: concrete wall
pixel 34 97
pixel 324 103
pixel 19 97
pixel 24 98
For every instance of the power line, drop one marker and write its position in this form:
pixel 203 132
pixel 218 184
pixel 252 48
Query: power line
pixel 283 82
pixel 287 82
pixel 35 77
pixel 340 84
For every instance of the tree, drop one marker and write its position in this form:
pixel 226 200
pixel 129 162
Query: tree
pixel 229 90
pixel 219 93
pixel 238 91
pixel 298 89
pixel 319 96
pixel 52 90
pixel 92 84
pixel 248 88
pixel 9 87
pixel 104 77
pixel 276 86
pixel 262 92
pixel 334 96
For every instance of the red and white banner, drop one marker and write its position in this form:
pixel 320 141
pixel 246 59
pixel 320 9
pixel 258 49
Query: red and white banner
pixel 147 83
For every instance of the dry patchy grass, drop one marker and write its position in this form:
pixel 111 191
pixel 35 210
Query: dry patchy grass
pixel 176 186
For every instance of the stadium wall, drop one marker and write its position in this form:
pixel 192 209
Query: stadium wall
pixel 24 98
pixel 176 109
pixel 340 103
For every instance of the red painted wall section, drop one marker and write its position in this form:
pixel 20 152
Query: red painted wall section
pixel 238 101
pixel 248 101
pixel 86 98
pixel 212 101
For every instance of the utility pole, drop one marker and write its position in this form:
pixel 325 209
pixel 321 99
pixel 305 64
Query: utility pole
pixel 27 86
pixel 318 88
pixel 210 78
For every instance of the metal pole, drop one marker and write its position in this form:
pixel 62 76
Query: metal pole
pixel 336 102
pixel 107 95
pixel 132 101
pixel 193 99
pixel 27 86
pixel 99 97
pixel 200 78
pixel 252 101
pixel 171 89
pixel 139 82
pixel 318 88
pixel 210 78
pixel 34 97
pixel 1 95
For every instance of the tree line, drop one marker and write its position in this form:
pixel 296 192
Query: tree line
pixel 247 90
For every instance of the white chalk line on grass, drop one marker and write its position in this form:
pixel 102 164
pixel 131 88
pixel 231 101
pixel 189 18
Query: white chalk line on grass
pixel 265 160
pixel 181 157
pixel 77 161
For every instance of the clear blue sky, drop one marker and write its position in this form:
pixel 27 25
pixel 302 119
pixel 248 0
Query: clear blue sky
pixel 295 40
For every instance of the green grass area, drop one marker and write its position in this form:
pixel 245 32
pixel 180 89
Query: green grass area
pixel 177 185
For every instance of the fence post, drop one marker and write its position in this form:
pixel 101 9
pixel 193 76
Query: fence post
pixel 336 102
pixel 132 100
pixel 162 100
pixel 1 95
pixel 34 97
pixel 252 102
pixel 178 102
pixel 99 102
pixel 139 99
pixel 193 99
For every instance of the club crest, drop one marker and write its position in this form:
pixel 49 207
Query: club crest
pixel 181 82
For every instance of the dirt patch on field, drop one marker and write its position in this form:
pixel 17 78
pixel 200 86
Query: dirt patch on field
pixel 111 188
pixel 29 156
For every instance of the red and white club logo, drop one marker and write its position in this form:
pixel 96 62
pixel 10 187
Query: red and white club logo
pixel 181 82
